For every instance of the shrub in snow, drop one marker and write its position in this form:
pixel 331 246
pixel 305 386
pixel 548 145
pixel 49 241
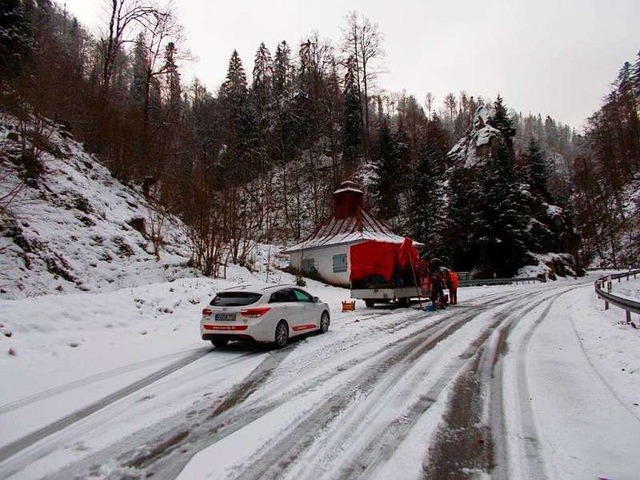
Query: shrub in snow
pixel 138 224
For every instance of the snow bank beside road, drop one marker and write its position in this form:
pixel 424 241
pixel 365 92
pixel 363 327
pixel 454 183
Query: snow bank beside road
pixel 584 378
pixel 629 289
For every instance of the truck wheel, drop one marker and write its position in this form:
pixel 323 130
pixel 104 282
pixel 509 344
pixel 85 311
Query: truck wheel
pixel 369 303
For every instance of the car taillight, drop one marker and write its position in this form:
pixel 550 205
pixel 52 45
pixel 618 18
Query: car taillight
pixel 254 312
pixel 207 312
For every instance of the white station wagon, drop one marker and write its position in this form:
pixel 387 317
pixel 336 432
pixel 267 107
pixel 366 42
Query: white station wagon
pixel 266 314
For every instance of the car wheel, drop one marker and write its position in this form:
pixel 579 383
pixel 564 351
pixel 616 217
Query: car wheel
pixel 282 334
pixel 403 302
pixel 369 303
pixel 324 322
pixel 220 342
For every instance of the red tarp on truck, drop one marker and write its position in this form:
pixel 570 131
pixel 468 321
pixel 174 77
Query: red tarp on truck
pixel 382 259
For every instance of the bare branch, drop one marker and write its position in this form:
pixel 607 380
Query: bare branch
pixel 363 40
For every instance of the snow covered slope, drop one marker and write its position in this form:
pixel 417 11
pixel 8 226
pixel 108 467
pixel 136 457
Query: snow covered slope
pixel 72 226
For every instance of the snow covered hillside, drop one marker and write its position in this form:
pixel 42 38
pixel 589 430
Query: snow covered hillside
pixel 71 226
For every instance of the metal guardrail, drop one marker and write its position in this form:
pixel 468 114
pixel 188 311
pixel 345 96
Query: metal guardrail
pixel 499 281
pixel 626 304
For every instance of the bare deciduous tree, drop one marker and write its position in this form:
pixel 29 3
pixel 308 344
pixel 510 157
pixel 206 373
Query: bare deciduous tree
pixel 204 227
pixel 363 40
pixel 450 103
pixel 157 217
pixel 123 16
pixel 10 188
pixel 428 102
pixel 161 29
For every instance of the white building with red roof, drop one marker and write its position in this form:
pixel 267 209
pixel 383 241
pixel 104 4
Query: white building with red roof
pixel 326 253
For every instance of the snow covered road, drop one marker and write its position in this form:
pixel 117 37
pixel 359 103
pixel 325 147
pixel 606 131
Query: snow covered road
pixel 534 381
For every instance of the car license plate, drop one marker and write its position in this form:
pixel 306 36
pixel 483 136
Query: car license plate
pixel 225 317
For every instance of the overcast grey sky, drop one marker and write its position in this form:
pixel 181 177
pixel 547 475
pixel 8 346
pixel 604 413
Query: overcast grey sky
pixel 554 57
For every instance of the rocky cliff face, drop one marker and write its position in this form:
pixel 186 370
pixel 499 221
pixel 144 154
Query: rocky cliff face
pixel 474 149
pixel 546 229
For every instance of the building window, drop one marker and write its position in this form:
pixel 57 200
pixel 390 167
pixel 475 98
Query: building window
pixel 340 263
pixel 308 266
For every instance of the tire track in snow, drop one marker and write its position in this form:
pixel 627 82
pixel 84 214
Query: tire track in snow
pixel 244 414
pixel 463 442
pixel 387 436
pixel 83 382
pixel 177 437
pixel 27 441
pixel 374 386
pixel 231 414
pixel 528 449
pixel 144 449
pixel 275 461
pixel 238 395
pixel 227 420
pixel 530 453
pixel 472 437
pixel 226 423
pixel 498 420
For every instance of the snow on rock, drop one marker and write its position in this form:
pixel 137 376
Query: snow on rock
pixel 474 148
pixel 554 211
pixel 548 266
pixel 74 227
pixel 482 116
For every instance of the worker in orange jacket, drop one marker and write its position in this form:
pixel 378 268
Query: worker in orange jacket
pixel 453 282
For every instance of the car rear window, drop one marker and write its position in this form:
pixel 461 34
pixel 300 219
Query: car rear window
pixel 235 299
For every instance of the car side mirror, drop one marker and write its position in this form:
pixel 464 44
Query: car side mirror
pixel 316 299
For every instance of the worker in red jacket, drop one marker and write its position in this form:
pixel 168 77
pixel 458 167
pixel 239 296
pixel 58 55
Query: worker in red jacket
pixel 453 282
